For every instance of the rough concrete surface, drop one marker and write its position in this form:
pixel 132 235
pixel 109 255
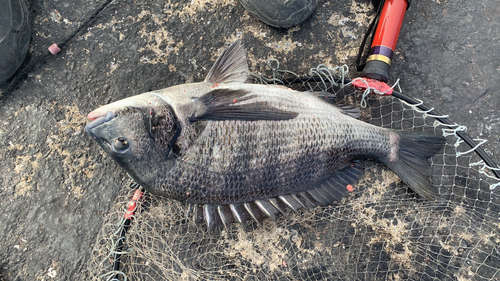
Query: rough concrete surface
pixel 56 183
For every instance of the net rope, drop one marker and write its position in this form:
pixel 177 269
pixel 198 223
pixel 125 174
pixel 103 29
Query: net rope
pixel 381 231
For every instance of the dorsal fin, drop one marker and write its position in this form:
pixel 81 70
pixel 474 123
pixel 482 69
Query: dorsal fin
pixel 345 108
pixel 350 110
pixel 328 97
pixel 231 66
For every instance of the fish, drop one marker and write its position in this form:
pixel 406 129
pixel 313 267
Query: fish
pixel 236 152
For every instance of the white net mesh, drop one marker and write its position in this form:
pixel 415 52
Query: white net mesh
pixel 381 231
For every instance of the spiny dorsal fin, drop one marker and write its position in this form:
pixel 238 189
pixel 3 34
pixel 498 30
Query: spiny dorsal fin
pixel 231 66
pixel 226 104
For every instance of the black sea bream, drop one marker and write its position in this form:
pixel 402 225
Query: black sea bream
pixel 237 151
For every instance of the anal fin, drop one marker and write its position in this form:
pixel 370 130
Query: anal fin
pixel 336 187
pixel 290 202
pixel 212 217
pixel 198 214
pixel 318 197
pixel 280 206
pixel 255 212
pixel 240 214
pixel 267 208
pixel 326 192
pixel 321 191
pixel 225 215
pixel 307 200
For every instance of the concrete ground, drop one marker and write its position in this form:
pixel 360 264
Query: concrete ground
pixel 56 183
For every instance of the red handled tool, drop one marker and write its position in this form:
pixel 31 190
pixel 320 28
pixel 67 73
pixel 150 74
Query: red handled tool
pixel 379 60
pixel 385 39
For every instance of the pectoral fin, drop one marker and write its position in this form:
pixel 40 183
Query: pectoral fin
pixel 227 104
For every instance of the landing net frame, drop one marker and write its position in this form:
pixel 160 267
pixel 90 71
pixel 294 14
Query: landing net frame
pixel 384 232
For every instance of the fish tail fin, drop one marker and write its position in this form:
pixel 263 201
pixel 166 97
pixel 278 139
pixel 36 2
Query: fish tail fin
pixel 409 159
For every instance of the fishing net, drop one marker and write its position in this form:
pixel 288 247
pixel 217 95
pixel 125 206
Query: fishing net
pixel 380 231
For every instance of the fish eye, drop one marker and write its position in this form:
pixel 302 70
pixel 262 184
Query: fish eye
pixel 120 144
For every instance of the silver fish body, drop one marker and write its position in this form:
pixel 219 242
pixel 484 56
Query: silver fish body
pixel 231 145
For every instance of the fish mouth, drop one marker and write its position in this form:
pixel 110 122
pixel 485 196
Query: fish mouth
pixel 98 119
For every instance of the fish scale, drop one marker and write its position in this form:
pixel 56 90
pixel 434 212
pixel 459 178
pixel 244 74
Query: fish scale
pixel 236 152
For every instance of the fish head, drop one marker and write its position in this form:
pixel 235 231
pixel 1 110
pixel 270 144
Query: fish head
pixel 139 133
pixel 142 133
